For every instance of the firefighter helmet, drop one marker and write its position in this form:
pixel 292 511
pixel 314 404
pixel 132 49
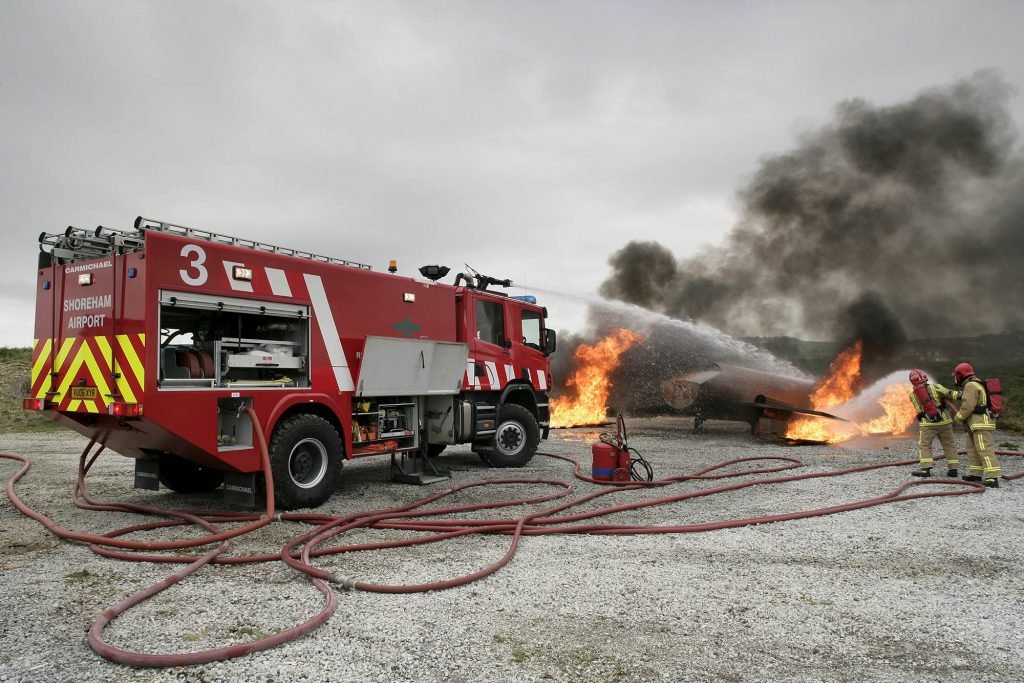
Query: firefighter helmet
pixel 918 377
pixel 962 372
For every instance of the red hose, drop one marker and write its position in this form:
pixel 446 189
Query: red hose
pixel 413 517
pixel 205 520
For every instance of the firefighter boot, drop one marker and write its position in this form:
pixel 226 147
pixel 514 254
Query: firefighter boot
pixel 921 473
pixel 971 477
pixel 952 474
pixel 992 483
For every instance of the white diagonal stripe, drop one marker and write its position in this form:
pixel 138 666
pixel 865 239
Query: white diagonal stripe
pixel 278 282
pixel 492 374
pixel 329 332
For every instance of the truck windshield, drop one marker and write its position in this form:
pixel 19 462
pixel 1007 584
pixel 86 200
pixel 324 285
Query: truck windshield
pixel 531 329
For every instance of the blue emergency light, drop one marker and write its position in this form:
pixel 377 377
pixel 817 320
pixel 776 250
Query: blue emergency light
pixel 528 298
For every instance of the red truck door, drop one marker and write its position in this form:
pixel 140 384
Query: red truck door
pixel 527 350
pixel 490 347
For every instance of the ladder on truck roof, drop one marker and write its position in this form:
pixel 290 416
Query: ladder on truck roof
pixel 77 244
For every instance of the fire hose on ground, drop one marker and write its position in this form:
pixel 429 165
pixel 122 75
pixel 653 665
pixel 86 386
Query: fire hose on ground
pixel 300 551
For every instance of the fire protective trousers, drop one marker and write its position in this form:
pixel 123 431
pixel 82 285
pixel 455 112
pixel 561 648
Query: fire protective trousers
pixel 927 435
pixel 980 455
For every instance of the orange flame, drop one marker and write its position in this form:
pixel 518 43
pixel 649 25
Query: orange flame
pixel 594 363
pixel 899 412
pixel 839 387
pixel 843 377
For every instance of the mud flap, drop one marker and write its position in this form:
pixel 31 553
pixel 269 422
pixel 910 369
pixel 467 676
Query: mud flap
pixel 240 489
pixel 147 474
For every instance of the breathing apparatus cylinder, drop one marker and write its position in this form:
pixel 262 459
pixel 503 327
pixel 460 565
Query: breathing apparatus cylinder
pixel 929 409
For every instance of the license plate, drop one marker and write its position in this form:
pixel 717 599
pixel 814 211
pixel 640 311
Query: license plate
pixel 83 392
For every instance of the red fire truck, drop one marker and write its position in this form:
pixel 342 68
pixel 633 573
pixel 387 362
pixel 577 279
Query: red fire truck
pixel 154 341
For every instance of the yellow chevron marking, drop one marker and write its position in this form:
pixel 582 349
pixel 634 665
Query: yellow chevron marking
pixel 44 387
pixel 62 355
pixel 58 361
pixel 84 355
pixel 104 345
pixel 72 370
pixel 141 373
pixel 123 387
pixel 97 375
pixel 105 353
pixel 133 358
pixel 37 367
pixel 74 405
pixel 44 355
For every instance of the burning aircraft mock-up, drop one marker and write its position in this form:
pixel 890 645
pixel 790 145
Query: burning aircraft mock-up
pixel 764 400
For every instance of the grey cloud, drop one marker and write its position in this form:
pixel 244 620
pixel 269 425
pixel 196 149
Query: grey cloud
pixel 527 139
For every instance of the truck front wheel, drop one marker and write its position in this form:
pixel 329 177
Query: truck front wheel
pixel 515 440
pixel 185 476
pixel 305 460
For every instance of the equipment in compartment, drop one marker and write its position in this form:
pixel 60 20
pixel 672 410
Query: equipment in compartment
pixel 392 421
pixel 234 428
pixel 258 362
pixel 383 427
pixel 218 342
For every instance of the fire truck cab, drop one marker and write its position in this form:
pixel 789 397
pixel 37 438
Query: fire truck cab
pixel 155 341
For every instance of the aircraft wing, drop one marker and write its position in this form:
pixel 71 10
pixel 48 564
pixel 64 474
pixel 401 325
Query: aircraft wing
pixel 784 408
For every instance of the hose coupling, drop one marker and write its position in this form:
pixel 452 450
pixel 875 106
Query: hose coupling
pixel 346 582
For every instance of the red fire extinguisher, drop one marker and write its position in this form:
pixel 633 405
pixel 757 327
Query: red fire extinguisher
pixel 613 460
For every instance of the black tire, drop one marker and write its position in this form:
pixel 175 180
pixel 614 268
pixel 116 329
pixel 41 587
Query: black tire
pixel 435 449
pixel 305 461
pixel 515 440
pixel 185 476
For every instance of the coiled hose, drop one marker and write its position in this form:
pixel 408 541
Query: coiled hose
pixel 299 552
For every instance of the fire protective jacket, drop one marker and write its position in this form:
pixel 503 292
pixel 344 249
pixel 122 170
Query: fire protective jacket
pixel 973 407
pixel 938 393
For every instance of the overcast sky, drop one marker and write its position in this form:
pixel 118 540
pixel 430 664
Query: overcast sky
pixel 527 139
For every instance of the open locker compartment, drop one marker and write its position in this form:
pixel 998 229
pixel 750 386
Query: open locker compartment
pixel 224 342
pixel 396 378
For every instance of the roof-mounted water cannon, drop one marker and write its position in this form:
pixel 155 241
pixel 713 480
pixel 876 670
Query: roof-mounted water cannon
pixel 434 273
pixel 479 281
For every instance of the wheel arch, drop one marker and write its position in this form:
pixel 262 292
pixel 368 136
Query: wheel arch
pixel 520 393
pixel 316 404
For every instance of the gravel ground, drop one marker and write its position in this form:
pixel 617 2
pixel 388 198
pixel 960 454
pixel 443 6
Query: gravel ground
pixel 920 590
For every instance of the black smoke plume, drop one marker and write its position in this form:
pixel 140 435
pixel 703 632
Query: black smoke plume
pixel 890 222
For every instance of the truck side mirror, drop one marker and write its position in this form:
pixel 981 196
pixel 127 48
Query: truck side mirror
pixel 549 342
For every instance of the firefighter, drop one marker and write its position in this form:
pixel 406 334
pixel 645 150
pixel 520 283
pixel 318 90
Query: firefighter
pixel 974 414
pixel 934 421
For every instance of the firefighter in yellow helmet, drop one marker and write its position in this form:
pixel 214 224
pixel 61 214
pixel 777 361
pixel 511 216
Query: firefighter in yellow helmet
pixel 934 421
pixel 984 466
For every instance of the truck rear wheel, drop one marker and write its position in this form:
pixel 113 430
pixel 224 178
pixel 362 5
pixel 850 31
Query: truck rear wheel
pixel 305 461
pixel 515 440
pixel 185 476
